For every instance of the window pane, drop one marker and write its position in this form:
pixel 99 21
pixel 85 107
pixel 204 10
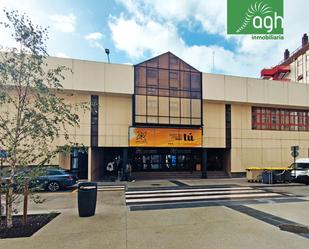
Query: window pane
pixel 195 82
pixel 163 61
pixel 184 94
pixel 141 76
pixel 152 78
pixel 280 119
pixel 174 107
pixel 164 88
pixel 185 108
pixel 174 120
pixel 140 119
pixel 141 90
pixel 185 81
pixel 195 95
pixel 184 66
pixel 174 92
pixel 185 121
pixel 140 105
pixel 152 63
pixel 174 80
pixel 152 105
pixel 164 93
pixel 196 121
pixel 163 106
pixel 152 91
pixel 174 62
pixel 196 108
pixel 163 120
pixel 254 118
pixel 163 79
pixel 152 120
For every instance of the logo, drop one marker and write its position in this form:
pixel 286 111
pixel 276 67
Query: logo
pixel 188 137
pixel 141 136
pixel 255 17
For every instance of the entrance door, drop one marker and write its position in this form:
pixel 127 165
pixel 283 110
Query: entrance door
pixel 216 159
pixel 165 159
pixel 79 163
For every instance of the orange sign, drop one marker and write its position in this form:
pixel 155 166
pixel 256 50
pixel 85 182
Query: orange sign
pixel 165 137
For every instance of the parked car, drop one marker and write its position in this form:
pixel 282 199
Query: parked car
pixel 300 170
pixel 55 179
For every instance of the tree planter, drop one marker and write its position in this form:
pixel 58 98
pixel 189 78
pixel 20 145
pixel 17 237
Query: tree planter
pixel 34 223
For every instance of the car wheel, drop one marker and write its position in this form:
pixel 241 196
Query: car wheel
pixel 53 186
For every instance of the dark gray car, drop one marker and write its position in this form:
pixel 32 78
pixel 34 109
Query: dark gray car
pixel 56 179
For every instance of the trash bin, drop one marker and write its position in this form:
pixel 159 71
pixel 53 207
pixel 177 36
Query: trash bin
pixel 267 177
pixel 87 198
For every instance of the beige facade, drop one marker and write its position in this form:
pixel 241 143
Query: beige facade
pixel 214 125
pixel 114 84
pixel 115 118
pixel 262 147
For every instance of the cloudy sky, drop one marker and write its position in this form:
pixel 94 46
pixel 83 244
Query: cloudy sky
pixel 194 30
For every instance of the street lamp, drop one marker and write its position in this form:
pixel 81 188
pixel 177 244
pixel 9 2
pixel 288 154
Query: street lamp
pixel 107 53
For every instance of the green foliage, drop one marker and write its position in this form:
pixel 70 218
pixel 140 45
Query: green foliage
pixel 33 110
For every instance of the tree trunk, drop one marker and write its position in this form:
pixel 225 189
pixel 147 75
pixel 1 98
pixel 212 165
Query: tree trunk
pixel 0 204
pixel 9 206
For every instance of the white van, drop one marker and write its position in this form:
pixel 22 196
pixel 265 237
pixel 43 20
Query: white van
pixel 300 170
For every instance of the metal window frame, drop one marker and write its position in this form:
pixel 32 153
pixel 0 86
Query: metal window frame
pixel 145 88
pixel 288 119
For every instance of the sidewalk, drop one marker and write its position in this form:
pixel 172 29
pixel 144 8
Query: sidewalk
pixel 194 182
pixel 114 226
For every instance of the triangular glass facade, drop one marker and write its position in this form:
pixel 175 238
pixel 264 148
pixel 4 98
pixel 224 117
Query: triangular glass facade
pixel 168 91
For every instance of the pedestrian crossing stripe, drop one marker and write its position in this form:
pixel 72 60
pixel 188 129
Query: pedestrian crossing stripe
pixel 197 194
pixel 170 199
pixel 111 188
pixel 183 190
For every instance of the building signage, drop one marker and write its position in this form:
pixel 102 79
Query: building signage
pixel 261 18
pixel 165 137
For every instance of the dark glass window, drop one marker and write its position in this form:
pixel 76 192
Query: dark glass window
pixel 165 81
pixel 94 120
pixel 279 119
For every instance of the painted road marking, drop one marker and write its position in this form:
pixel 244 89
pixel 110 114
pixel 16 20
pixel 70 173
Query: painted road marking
pixel 205 197
pixel 198 193
pixel 184 190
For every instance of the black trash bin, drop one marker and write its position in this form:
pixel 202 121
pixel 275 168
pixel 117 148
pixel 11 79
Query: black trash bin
pixel 87 198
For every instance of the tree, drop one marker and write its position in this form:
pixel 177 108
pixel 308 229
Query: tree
pixel 33 110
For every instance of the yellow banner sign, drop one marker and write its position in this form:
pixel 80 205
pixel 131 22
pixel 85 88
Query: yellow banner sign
pixel 165 137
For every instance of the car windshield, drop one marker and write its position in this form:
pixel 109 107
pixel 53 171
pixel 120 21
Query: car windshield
pixel 55 172
pixel 301 165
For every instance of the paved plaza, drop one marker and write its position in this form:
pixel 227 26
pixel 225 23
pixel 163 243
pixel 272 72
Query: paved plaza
pixel 227 213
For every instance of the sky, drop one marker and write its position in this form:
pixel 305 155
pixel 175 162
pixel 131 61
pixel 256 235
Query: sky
pixel 134 31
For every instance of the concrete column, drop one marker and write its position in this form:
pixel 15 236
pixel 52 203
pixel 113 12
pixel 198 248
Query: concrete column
pixel 204 163
pixel 90 163
pixel 124 157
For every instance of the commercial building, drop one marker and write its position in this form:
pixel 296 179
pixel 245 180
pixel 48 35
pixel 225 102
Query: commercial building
pixel 294 66
pixel 168 119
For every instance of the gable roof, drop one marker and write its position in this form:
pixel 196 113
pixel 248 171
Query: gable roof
pixel 158 62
